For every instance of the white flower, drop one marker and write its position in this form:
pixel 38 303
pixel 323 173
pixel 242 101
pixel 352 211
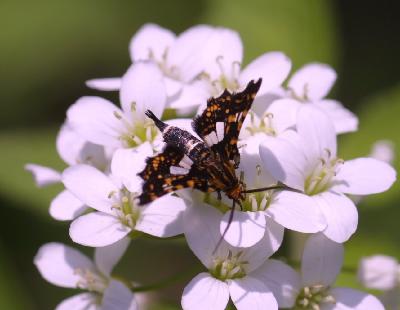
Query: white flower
pixel 379 272
pixel 383 150
pixel 306 160
pixel 73 149
pixel 310 85
pixel 114 198
pixel 224 71
pixel 232 272
pixel 43 176
pixel 64 266
pixel 290 209
pixel 180 59
pixel 313 288
pixel 278 117
pixel 101 122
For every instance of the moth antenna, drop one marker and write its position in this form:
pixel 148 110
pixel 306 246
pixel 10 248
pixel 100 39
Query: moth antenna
pixel 160 124
pixel 278 186
pixel 226 228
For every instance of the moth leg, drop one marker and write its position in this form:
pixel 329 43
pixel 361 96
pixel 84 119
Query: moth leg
pixel 219 195
pixel 240 205
pixel 227 227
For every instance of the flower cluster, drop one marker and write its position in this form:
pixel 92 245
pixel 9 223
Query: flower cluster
pixel 289 137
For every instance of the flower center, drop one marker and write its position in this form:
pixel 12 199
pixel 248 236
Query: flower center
pixel 228 77
pixel 91 281
pixel 264 125
pixel 257 201
pixel 229 267
pixel 125 208
pixel 169 71
pixel 311 297
pixel 300 97
pixel 136 130
pixel 320 179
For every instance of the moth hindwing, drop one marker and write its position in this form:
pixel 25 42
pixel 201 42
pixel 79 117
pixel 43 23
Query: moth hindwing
pixel 169 171
pixel 220 123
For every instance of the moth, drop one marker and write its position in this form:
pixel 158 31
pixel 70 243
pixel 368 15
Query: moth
pixel 208 164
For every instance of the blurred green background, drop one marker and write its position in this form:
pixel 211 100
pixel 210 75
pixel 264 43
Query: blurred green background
pixel 49 48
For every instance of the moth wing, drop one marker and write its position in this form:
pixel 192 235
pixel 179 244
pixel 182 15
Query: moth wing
pixel 169 171
pixel 220 123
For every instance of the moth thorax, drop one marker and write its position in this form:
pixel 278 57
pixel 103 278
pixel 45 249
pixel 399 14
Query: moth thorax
pixel 237 192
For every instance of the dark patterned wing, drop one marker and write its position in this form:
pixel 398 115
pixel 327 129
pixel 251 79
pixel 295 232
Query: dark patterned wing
pixel 169 171
pixel 220 123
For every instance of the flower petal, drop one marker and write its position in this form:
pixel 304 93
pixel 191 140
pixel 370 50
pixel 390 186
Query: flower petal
pixel 250 293
pixel 57 263
pixel 97 229
pixel 246 229
pixel 42 175
pixel 317 131
pixel 282 280
pixel 151 42
pixel 284 158
pixel 363 176
pixel 378 272
pixel 201 225
pixel 66 207
pixel 118 297
pixel 250 162
pixel 313 81
pixel 297 212
pixel 383 150
pixel 73 149
pixel 162 217
pixel 205 292
pixel 127 163
pixel 340 213
pixel 94 118
pixel 347 298
pixel 192 95
pixel 172 86
pixel 186 54
pixel 69 144
pixel 105 84
pixel 262 102
pixel 223 54
pixel 90 186
pixel 283 114
pixel 143 85
pixel 83 301
pixel 107 257
pixel 322 260
pixel 272 67
pixel 343 119
pixel 268 245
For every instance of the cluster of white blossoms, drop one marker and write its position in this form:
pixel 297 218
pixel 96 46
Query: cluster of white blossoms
pixel 289 137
